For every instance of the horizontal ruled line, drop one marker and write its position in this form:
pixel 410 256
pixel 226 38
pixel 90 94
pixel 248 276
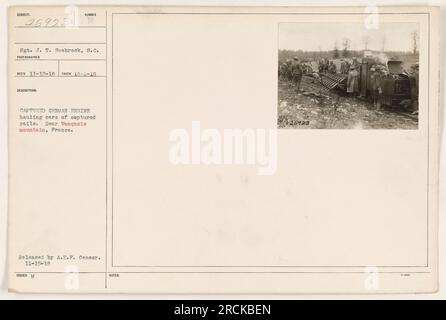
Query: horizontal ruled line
pixel 65 27
pixel 266 13
pixel 60 60
pixel 60 76
pixel 76 43
pixel 270 266
pixel 224 272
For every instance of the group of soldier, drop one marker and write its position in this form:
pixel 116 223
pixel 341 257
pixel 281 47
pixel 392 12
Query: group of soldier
pixel 326 66
pixel 293 70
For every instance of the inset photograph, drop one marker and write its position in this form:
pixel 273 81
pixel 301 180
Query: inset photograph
pixel 345 76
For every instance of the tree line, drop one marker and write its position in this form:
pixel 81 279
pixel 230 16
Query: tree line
pixel 285 54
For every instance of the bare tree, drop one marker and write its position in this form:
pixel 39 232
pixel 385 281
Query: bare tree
pixel 345 45
pixel 383 43
pixel 366 41
pixel 414 41
pixel 336 50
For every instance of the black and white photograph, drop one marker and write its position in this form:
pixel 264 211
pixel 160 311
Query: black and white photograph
pixel 348 76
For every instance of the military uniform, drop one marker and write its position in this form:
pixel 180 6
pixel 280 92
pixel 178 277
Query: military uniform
pixel 296 72
pixel 375 86
pixel 353 82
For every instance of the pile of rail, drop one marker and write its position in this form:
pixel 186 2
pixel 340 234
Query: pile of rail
pixel 333 80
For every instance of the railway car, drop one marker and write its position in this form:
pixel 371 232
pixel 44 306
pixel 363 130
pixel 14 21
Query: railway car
pixel 397 87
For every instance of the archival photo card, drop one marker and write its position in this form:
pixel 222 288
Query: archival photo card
pixel 157 150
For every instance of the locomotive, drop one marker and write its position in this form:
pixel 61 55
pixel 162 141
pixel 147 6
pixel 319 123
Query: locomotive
pixel 399 89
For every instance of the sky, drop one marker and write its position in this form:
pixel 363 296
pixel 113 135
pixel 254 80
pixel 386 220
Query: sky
pixel 321 36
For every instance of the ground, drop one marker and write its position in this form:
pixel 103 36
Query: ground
pixel 312 108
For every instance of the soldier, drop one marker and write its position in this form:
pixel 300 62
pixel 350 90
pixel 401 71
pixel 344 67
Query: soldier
pixel 326 66
pixel 414 74
pixel 282 71
pixel 288 65
pixel 345 67
pixel 296 71
pixel 375 86
pixel 353 82
pixel 320 66
pixel 355 63
pixel 331 67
